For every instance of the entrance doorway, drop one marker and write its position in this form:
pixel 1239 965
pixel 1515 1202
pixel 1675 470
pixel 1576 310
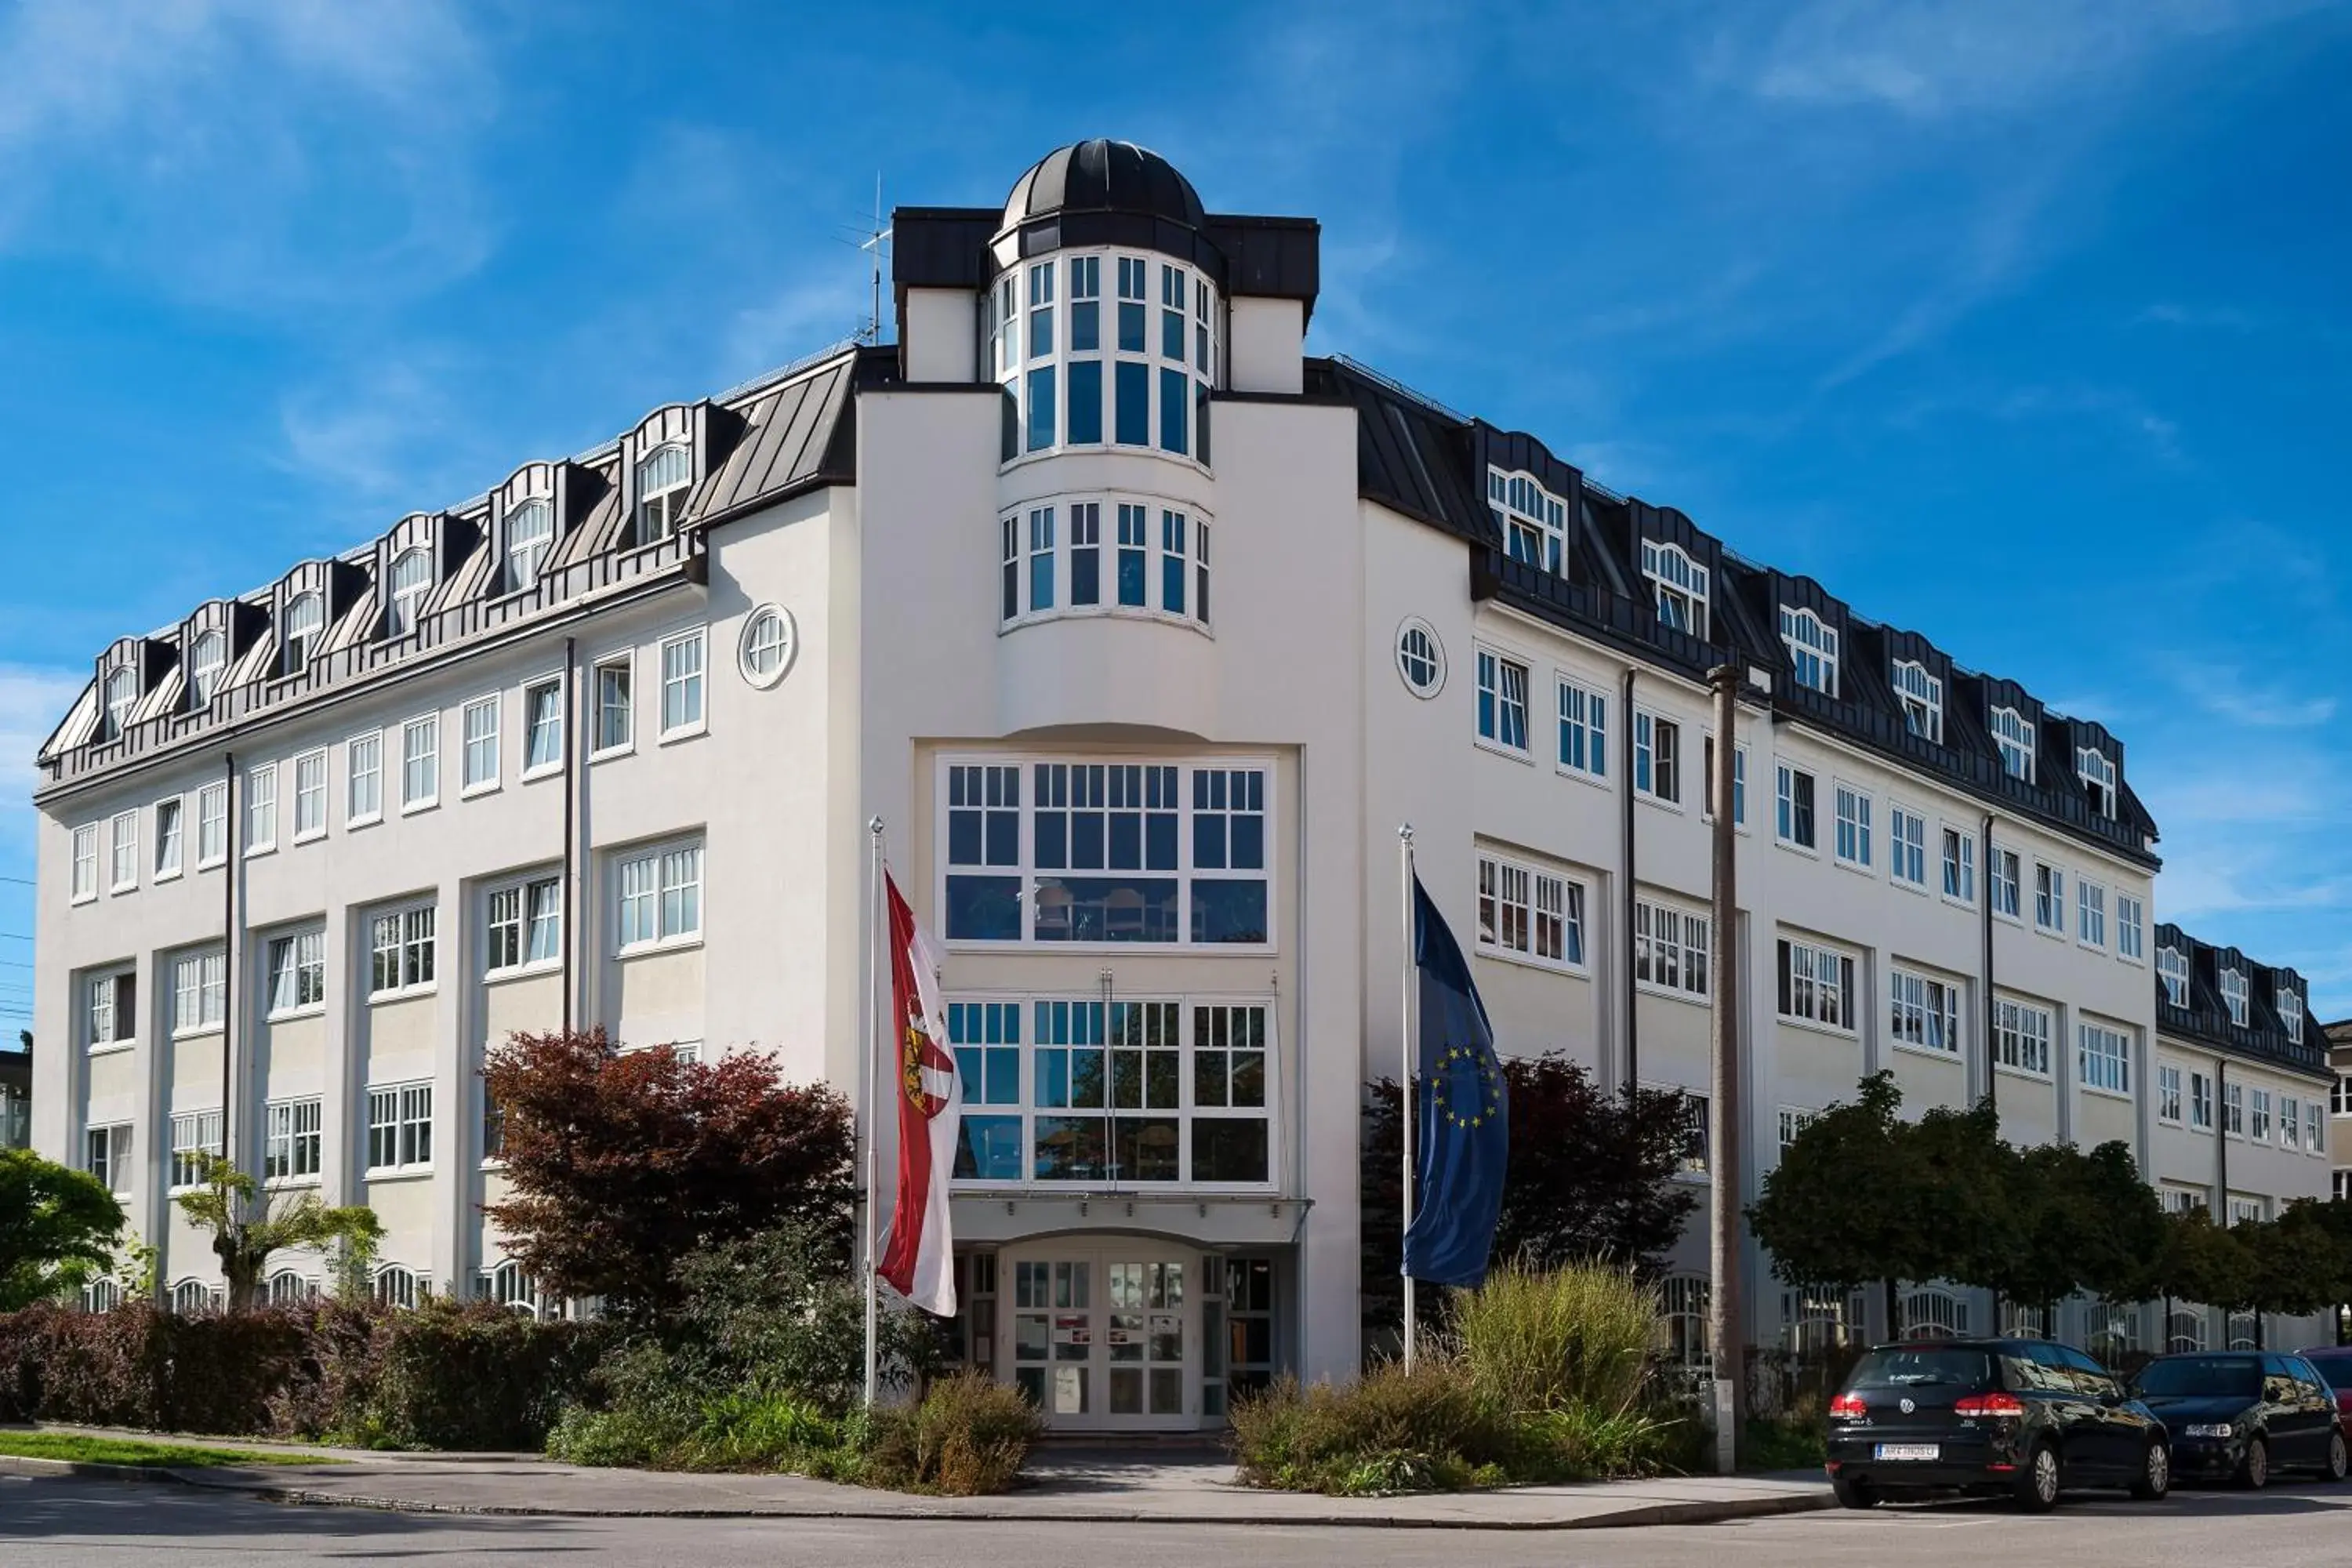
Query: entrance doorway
pixel 1106 1336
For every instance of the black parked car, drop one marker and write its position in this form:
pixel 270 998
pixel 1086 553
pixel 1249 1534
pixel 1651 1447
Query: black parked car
pixel 2242 1414
pixel 2021 1416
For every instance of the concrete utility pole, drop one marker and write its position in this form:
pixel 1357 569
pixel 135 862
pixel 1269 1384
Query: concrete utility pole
pixel 1723 1108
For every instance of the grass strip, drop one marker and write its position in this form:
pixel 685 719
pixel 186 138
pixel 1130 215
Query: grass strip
pixel 82 1450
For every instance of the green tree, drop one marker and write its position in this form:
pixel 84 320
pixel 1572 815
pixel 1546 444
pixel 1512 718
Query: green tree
pixel 57 1227
pixel 1849 1202
pixel 2061 1220
pixel 248 1225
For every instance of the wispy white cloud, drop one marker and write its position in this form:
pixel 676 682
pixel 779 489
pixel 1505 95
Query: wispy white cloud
pixel 2225 317
pixel 33 697
pixel 2237 697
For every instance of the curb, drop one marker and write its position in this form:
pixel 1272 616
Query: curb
pixel 1643 1516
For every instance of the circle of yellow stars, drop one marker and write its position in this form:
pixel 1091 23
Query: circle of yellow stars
pixel 1445 1076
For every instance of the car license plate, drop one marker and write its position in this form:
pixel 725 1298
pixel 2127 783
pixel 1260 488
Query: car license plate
pixel 1909 1451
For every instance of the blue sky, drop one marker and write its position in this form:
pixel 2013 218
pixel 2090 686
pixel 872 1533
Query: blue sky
pixel 2023 324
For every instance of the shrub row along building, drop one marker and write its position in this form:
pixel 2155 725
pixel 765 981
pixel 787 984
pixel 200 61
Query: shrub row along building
pixel 1143 630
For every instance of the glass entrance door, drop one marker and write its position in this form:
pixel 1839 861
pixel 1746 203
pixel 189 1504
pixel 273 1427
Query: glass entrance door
pixel 1144 1339
pixel 1108 1338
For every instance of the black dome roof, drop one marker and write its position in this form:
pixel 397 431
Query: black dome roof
pixel 1102 175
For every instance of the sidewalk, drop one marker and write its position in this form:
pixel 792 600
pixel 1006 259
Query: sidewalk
pixel 1062 1484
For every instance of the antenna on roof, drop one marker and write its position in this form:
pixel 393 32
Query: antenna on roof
pixel 876 239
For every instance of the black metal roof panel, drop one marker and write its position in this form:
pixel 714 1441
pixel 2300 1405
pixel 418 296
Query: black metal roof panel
pixel 2205 1019
pixel 1103 175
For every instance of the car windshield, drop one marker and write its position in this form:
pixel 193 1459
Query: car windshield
pixel 1929 1365
pixel 2202 1377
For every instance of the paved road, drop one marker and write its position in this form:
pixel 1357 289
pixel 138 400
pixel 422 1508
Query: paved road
pixel 87 1524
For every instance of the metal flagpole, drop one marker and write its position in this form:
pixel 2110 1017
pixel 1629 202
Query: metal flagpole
pixel 1412 1060
pixel 869 1084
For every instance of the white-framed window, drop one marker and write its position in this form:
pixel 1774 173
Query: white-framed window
pixel 297 973
pixel 2231 984
pixel 2234 1109
pixel 1906 845
pixel 196 1136
pixel 542 728
pixel 1739 782
pixel 2097 771
pixel 2014 737
pixel 1113 381
pixel 2200 1100
pixel 2315 1128
pixel 1657 757
pixel 1670 949
pixel 2290 1122
pixel 681 679
pixel 510 1288
pixel 401 1287
pixel 530 534
pixel 106 1154
pixel 2022 1034
pixel 211 824
pixel 420 763
pixel 1793 806
pixel 2260 1130
pixel 1813 649
pixel 2340 1185
pixel 2290 1011
pixel 2172 972
pixel 1922 696
pixel 110 1009
pixel 1527 913
pixel 85 862
pixel 261 808
pixel 401 946
pixel 1107 852
pixel 1583 731
pixel 291 1140
pixel 1680 585
pixel 1697 1136
pixel 660 896
pixel 170 837
pixel 306 619
pixel 123 852
pixel 199 988
pixel 613 683
pixel 1924 1012
pixel 1532 521
pixel 1793 1122
pixel 1816 985
pixel 207 657
pixel 1502 701
pixel 2006 890
pixel 525 924
pixel 2339 1099
pixel 2168 1093
pixel 2131 927
pixel 1053 565
pixel 1160 1090
pixel 478 756
pixel 2049 898
pixel 665 480
pixel 769 642
pixel 364 772
pixel 2090 913
pixel 121 696
pixel 2105 1057
pixel 1853 825
pixel 400 1126
pixel 411 581
pixel 309 796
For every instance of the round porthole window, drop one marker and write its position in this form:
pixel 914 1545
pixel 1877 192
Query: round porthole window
pixel 1421 657
pixel 770 640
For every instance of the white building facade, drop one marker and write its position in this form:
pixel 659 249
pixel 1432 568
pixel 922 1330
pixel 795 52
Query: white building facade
pixel 1142 631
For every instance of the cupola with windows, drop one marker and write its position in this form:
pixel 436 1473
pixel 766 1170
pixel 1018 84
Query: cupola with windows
pixel 1101 176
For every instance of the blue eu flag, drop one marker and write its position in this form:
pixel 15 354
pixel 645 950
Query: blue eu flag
pixel 1462 1111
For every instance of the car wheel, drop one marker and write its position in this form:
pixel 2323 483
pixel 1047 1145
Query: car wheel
pixel 2155 1473
pixel 1854 1494
pixel 2037 1483
pixel 2254 1469
pixel 2339 1456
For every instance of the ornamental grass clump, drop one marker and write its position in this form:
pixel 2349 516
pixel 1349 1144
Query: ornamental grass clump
pixel 1576 1337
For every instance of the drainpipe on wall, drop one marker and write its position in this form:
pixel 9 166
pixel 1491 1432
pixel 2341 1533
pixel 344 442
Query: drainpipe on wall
pixel 571 831
pixel 1632 1027
pixel 229 870
pixel 1991 1031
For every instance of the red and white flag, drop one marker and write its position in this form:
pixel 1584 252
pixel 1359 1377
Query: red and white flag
pixel 919 1259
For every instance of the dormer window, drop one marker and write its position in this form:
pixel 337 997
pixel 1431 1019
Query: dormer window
pixel 1922 696
pixel 121 695
pixel 2232 986
pixel 2290 1012
pixel 2172 972
pixel 208 657
pixel 412 579
pixel 530 534
pixel 1532 521
pixel 305 617
pixel 663 481
pixel 1680 584
pixel 2097 771
pixel 2014 736
pixel 1813 649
